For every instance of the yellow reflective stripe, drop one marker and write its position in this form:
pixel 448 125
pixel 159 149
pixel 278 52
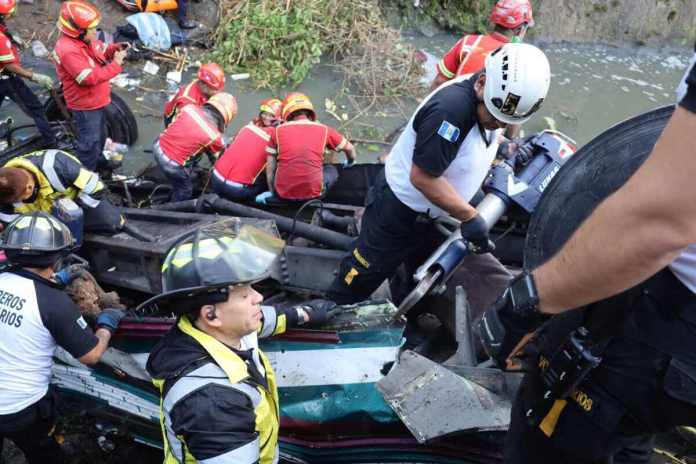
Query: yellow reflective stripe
pixel 210 132
pixel 281 324
pixel 365 263
pixel 350 276
pixel 258 131
pixel 471 49
pixel 83 75
pixel 234 367
pixel 442 68
pixel 83 178
pixel 548 425
pixel 185 94
pixel 8 57
pixel 342 145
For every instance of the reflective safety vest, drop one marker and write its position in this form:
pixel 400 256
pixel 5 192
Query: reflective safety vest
pixel 245 157
pixel 186 95
pixel 192 133
pixel 231 371
pixel 58 175
pixel 300 146
pixel 473 52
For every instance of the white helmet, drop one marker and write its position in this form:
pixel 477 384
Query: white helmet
pixel 517 80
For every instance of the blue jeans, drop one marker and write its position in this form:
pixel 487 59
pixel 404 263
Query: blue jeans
pixel 91 135
pixel 179 176
pixel 16 90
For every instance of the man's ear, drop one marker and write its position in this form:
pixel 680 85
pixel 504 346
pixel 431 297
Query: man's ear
pixel 479 84
pixel 208 315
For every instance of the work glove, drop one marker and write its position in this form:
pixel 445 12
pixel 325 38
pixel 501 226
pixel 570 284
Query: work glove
pixel 317 311
pixel 348 162
pixel 514 315
pixel 475 231
pixel 43 80
pixel 525 150
pixel 262 198
pixel 68 274
pixel 109 319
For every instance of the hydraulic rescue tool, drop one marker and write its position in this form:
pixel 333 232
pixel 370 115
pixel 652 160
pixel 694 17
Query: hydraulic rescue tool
pixel 516 179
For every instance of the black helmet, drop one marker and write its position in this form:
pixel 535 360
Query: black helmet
pixel 36 239
pixel 200 268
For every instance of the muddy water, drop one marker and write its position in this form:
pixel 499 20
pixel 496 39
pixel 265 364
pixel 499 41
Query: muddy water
pixel 592 88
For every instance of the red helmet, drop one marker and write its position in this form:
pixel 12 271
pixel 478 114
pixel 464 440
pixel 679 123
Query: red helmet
pixel 226 105
pixel 296 101
pixel 7 7
pixel 511 14
pixel 273 106
pixel 76 16
pixel 213 75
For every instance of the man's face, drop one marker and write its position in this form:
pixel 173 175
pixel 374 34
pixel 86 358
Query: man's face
pixel 90 35
pixel 241 314
pixel 207 90
pixel 267 119
pixel 485 118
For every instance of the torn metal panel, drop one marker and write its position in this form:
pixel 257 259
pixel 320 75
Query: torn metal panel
pixel 433 401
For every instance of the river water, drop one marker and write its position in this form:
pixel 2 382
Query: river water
pixel 592 88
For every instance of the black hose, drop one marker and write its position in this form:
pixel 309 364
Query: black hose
pixel 134 232
pixel 291 235
pixel 218 205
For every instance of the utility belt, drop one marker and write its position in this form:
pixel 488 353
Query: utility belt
pixel 653 316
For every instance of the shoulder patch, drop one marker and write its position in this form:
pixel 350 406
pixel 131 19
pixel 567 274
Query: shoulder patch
pixel 81 322
pixel 448 131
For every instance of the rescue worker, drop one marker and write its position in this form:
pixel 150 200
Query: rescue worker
pixel 85 65
pixel 295 164
pixel 437 165
pixel 639 296
pixel 239 173
pixel 36 317
pixel 510 20
pixel 210 80
pixel 219 393
pixel 197 130
pixel 11 73
pixel 35 182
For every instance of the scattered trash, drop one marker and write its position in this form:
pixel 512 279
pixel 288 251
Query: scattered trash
pixel 174 76
pixel 151 68
pixel 122 81
pixel 239 77
pixel 39 49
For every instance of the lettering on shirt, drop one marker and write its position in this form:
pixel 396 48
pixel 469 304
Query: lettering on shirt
pixel 9 304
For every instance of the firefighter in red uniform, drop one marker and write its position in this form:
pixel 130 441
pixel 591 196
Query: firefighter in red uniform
pixel 211 80
pixel 197 129
pixel 510 18
pixel 239 173
pixel 85 65
pixel 295 163
pixel 12 72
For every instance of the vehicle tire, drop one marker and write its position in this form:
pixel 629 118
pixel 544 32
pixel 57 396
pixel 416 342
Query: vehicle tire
pixel 121 124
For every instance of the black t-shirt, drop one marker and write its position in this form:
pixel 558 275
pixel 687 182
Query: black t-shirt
pixel 689 100
pixel 442 124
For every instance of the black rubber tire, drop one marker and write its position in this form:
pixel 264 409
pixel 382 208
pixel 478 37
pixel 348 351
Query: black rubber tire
pixel 596 171
pixel 121 124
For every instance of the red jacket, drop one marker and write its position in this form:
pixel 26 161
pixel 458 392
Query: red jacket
pixel 245 157
pixel 190 93
pixel 468 55
pixel 85 72
pixel 300 145
pixel 8 50
pixel 191 134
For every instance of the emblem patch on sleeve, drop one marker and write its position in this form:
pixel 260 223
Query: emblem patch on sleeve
pixel 448 131
pixel 82 323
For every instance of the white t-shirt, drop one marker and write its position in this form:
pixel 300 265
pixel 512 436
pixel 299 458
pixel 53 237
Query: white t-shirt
pixel 35 317
pixel 443 138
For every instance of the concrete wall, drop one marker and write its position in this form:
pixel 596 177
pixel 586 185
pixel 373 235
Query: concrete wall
pixel 652 22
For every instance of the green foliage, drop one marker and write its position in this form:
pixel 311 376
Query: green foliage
pixel 274 43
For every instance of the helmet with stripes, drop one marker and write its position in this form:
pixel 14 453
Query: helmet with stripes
pixel 76 16
pixel 225 104
pixel 36 239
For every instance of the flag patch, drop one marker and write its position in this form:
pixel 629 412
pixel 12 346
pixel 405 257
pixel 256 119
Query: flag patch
pixel 82 323
pixel 448 131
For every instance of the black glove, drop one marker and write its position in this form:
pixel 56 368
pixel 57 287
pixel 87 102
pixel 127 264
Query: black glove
pixel 317 311
pixel 69 273
pixel 514 314
pixel 525 150
pixel 109 319
pixel 475 230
